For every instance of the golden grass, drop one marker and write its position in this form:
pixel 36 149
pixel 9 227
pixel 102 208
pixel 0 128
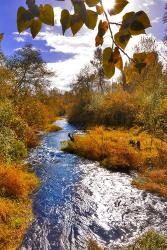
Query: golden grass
pixel 16 183
pixel 92 245
pixel 154 181
pixel 150 240
pixel 15 217
pixel 112 149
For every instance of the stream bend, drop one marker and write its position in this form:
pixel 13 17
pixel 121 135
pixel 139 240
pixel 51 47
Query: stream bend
pixel 78 200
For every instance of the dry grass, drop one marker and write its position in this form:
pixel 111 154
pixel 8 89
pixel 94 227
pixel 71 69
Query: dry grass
pixel 92 245
pixel 154 181
pixel 15 217
pixel 16 183
pixel 112 149
pixel 151 240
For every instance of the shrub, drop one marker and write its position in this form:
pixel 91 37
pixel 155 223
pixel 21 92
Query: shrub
pixel 34 113
pixel 6 113
pixel 15 217
pixel 24 132
pixel 16 183
pixel 92 245
pixel 11 149
pixel 149 241
pixel 154 181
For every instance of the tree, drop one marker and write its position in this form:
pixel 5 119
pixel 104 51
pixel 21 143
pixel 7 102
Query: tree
pixel 84 81
pixel 6 78
pixel 132 24
pixel 30 70
pixel 98 69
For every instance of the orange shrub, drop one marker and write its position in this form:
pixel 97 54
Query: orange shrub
pixel 34 113
pixel 154 181
pixel 16 183
pixel 15 217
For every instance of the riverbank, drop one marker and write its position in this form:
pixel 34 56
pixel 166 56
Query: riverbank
pixel 17 183
pixel 78 201
pixel 118 150
pixel 148 241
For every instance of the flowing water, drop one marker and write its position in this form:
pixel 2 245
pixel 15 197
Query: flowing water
pixel 78 200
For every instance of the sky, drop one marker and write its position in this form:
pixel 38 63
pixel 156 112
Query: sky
pixel 66 55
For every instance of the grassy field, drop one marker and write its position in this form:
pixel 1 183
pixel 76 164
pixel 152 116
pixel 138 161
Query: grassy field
pixel 113 150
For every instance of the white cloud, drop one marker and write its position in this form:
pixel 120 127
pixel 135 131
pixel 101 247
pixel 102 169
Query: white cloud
pixel 19 39
pixel 82 45
pixel 157 19
pixel 25 33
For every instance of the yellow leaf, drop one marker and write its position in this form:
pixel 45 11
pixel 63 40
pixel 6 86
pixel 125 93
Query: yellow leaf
pixel 99 9
pixel 65 20
pixel 24 19
pixel 99 40
pixel 36 27
pixel 47 14
pixel 91 19
pixel 118 7
pixel 92 3
pixel 122 38
pixel 118 59
pixel 76 23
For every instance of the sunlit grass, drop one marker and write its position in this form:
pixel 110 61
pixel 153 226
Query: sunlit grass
pixel 112 149
pixel 149 241
pixel 16 184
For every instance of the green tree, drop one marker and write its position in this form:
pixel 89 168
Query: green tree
pixel 100 80
pixel 30 70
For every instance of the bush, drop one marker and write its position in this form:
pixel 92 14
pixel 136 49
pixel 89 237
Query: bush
pixel 34 113
pixel 11 149
pixel 6 113
pixel 149 241
pixel 92 245
pixel 154 181
pixel 24 132
pixel 15 217
pixel 119 109
pixel 15 182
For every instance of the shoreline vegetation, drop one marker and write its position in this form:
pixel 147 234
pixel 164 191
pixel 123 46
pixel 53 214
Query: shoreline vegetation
pixel 27 107
pixel 150 240
pixel 17 183
pixel 112 148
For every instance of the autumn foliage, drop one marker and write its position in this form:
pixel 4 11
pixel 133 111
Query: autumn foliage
pixel 24 111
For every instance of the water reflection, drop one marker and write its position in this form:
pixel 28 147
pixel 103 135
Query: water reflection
pixel 79 200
